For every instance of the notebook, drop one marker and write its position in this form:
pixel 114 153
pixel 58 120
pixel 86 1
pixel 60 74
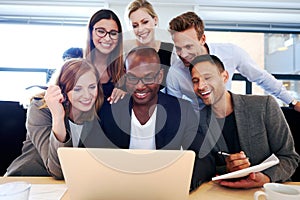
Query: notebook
pixel 269 162
pixel 118 174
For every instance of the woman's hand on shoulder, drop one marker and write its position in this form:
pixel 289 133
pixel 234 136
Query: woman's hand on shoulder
pixel 116 95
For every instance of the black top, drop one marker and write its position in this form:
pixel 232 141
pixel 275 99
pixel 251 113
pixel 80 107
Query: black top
pixel 230 134
pixel 107 88
pixel 165 52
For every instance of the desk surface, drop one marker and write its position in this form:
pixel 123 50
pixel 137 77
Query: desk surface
pixel 205 191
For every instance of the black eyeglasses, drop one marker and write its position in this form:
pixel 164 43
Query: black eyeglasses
pixel 145 80
pixel 101 32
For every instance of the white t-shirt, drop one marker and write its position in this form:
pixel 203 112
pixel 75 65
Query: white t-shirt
pixel 75 133
pixel 143 136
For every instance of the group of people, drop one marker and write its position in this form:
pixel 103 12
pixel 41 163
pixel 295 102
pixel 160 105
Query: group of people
pixel 153 98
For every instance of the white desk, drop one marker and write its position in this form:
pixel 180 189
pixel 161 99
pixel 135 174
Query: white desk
pixel 206 191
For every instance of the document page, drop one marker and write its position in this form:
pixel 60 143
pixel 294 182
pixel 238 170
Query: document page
pixel 47 191
pixel 269 162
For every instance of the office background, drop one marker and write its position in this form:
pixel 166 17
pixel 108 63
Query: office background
pixel 35 33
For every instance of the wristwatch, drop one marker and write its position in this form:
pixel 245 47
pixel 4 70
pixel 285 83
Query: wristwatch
pixel 293 103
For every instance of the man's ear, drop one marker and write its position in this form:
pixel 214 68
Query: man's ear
pixel 203 39
pixel 161 76
pixel 225 76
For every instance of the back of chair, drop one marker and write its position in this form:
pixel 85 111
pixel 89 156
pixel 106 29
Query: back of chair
pixel 12 132
pixel 293 119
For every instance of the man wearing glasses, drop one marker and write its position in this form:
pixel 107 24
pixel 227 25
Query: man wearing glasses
pixel 147 118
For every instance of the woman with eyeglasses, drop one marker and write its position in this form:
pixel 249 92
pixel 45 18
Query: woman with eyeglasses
pixel 144 21
pixel 105 50
pixel 65 115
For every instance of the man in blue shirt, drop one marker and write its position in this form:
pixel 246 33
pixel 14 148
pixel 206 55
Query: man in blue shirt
pixel 187 32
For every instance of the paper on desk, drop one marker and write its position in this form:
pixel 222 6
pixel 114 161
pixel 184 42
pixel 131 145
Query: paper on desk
pixel 269 162
pixel 297 187
pixel 47 191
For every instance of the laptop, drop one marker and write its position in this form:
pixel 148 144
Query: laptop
pixel 119 174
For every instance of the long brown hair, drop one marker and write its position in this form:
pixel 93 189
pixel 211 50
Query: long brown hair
pixel 115 64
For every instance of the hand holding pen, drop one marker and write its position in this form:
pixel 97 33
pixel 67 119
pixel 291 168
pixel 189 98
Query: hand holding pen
pixel 236 161
pixel 223 153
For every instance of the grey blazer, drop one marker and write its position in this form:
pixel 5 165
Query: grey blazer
pixel 39 152
pixel 262 130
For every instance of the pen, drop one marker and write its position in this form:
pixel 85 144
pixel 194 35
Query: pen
pixel 223 153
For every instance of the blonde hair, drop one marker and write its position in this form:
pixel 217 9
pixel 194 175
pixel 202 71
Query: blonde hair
pixel 137 4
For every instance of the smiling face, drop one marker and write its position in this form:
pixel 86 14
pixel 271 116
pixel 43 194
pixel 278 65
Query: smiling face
pixel 188 46
pixel 105 44
pixel 143 25
pixel 148 68
pixel 209 82
pixel 83 96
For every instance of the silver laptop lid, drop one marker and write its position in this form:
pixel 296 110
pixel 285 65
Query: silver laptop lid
pixel 110 174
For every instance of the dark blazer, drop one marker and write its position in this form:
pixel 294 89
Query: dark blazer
pixel 262 130
pixel 176 127
pixel 176 122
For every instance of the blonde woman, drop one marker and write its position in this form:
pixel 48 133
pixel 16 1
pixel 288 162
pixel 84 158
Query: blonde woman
pixel 144 20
